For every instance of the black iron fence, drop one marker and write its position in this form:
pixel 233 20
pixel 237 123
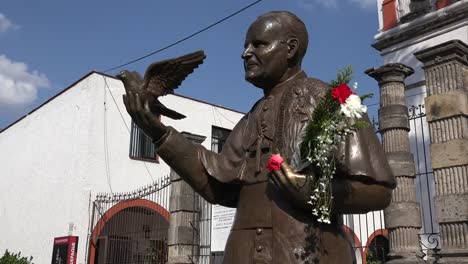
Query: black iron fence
pixel 130 227
pixel 425 182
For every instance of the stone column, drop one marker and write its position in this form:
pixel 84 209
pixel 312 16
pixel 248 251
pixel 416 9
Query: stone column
pixel 183 238
pixel 402 216
pixel 446 72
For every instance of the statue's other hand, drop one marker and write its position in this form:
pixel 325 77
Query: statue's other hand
pixel 296 185
pixel 137 102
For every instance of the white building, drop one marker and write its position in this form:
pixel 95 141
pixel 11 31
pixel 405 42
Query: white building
pixel 55 160
pixel 406 27
pixel 58 157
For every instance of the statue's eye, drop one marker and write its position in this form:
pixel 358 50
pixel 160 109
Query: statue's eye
pixel 259 43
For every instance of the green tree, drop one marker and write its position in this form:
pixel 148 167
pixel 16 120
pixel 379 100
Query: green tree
pixel 370 258
pixel 15 258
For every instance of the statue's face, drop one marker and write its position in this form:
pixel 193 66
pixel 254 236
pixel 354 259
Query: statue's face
pixel 265 54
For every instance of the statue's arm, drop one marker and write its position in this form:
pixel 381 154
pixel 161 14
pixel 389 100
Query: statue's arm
pixel 186 159
pixel 364 179
pixel 358 197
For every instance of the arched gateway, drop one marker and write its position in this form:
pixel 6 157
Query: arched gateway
pixel 130 228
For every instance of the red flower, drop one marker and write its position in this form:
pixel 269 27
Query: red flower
pixel 342 92
pixel 274 163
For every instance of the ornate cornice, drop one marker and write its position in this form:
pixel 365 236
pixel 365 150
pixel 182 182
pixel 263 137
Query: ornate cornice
pixel 454 50
pixel 421 25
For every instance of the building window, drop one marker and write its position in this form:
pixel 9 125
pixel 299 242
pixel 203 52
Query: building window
pixel 141 146
pixel 403 8
pixel 218 138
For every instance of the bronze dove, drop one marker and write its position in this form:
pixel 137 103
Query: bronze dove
pixel 161 78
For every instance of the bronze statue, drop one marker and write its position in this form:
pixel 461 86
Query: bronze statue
pixel 273 223
pixel 161 78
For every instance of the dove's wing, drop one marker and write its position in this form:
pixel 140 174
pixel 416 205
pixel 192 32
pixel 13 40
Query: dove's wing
pixel 163 77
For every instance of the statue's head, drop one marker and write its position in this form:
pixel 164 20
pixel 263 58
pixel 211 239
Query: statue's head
pixel 275 45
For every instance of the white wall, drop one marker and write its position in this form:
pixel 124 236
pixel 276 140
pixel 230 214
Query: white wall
pixel 53 162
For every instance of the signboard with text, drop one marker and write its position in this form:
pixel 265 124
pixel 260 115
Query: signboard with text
pixel 221 222
pixel 65 250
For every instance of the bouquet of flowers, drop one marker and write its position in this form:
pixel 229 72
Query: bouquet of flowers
pixel 332 120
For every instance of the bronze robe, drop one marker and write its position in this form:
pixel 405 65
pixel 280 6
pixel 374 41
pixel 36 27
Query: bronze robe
pixel 269 227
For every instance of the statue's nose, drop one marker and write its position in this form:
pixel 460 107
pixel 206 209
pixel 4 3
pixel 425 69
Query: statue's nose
pixel 247 52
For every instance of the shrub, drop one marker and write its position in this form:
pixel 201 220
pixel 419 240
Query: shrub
pixel 15 258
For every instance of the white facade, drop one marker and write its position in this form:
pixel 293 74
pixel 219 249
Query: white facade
pixel 402 52
pixel 54 160
pixel 367 226
pixel 398 45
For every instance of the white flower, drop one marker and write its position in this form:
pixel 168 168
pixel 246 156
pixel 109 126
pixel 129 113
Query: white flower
pixel 355 85
pixel 353 107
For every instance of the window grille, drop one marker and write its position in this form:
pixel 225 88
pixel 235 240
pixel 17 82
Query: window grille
pixel 141 146
pixel 218 138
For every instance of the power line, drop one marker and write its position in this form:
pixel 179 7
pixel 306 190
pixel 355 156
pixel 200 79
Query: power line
pixel 106 147
pixel 116 105
pixel 219 112
pixel 125 123
pixel 185 38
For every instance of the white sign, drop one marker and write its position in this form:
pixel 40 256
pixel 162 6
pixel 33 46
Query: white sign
pixel 221 222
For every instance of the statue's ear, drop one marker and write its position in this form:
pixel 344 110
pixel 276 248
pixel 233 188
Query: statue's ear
pixel 293 45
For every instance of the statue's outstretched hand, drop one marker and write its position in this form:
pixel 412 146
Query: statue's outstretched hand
pixel 296 185
pixel 137 102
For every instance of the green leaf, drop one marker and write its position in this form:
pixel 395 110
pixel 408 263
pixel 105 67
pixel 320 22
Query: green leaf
pixel 365 96
pixel 323 112
pixel 361 124
pixel 343 76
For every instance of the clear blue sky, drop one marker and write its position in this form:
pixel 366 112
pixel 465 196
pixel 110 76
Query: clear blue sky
pixel 47 45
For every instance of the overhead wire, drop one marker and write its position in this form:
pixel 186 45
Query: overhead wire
pixel 185 38
pixel 115 102
pixel 106 147
pixel 125 123
pixel 214 116
pixel 219 112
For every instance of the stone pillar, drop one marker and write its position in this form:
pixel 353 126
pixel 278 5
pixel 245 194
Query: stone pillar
pixel 402 216
pixel 182 236
pixel 446 72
